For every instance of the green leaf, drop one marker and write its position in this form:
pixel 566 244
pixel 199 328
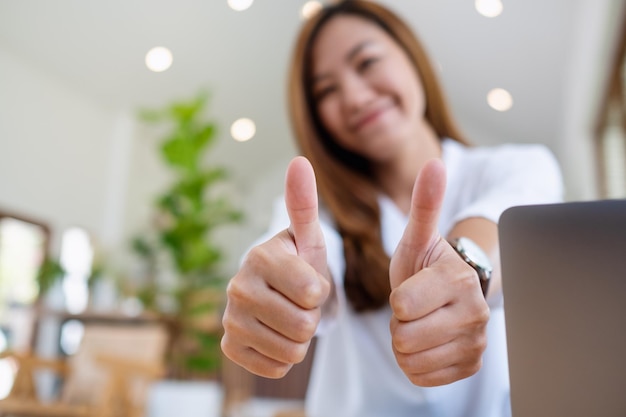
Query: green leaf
pixel 180 153
pixel 49 273
pixel 205 136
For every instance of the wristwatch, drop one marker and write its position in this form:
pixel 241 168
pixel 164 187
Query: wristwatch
pixel 471 253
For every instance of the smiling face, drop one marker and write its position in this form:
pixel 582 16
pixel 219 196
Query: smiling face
pixel 366 91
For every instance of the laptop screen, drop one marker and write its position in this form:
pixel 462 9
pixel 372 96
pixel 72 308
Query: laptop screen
pixel 564 283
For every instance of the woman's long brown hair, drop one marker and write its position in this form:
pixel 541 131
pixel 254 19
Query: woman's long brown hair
pixel 344 180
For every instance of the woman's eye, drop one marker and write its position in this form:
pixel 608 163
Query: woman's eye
pixel 324 92
pixel 366 63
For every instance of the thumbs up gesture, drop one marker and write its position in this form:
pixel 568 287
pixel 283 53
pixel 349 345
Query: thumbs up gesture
pixel 438 327
pixel 274 301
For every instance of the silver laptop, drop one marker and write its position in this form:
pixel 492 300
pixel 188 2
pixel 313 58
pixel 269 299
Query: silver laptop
pixel 564 283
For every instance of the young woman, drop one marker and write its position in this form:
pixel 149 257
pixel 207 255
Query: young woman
pixel 406 326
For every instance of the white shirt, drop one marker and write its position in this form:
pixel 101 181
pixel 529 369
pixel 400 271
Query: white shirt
pixel 355 373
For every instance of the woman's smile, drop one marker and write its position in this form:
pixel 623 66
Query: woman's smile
pixel 371 116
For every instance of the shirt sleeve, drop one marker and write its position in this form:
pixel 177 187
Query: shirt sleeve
pixel 512 175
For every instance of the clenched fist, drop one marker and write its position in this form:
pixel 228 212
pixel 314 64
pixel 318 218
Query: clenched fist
pixel 438 328
pixel 274 301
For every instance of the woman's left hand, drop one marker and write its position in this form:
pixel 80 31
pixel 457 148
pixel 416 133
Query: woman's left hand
pixel 439 323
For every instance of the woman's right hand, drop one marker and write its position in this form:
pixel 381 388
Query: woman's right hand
pixel 275 300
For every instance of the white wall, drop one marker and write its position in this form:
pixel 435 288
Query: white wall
pixel 53 149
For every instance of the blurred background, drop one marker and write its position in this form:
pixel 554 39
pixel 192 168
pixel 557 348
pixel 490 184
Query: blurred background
pixel 96 104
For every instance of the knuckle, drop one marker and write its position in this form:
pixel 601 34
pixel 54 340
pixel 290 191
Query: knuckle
pixel 275 372
pixel 235 290
pixel 480 344
pixel 256 258
pixel 423 380
pixel 475 347
pixel 407 365
pixel 484 314
pixel 229 322
pixel 297 353
pixel 232 327
pixel 306 325
pixel 400 304
pixel 232 289
pixel 468 280
pixel 266 367
pixel 226 321
pixel 325 288
pixel 469 369
pixel 476 350
pixel 226 347
pixel 479 316
pixel 401 343
pixel 232 351
pixel 417 380
pixel 311 290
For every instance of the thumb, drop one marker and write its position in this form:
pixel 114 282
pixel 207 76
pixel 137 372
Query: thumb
pixel 302 207
pixel 421 231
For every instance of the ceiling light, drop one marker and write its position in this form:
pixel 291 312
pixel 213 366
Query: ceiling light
pixel 242 129
pixel 240 5
pixel 499 99
pixel 489 8
pixel 158 59
pixel 310 9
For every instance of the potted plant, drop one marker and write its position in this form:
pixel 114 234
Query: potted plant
pixel 181 238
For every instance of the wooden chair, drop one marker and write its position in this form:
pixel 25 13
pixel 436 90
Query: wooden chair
pixel 108 377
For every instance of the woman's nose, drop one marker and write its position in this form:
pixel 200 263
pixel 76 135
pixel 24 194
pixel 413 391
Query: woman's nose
pixel 356 93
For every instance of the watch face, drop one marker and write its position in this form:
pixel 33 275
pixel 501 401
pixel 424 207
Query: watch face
pixel 474 252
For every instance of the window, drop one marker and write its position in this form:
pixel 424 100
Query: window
pixel 76 260
pixel 23 247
